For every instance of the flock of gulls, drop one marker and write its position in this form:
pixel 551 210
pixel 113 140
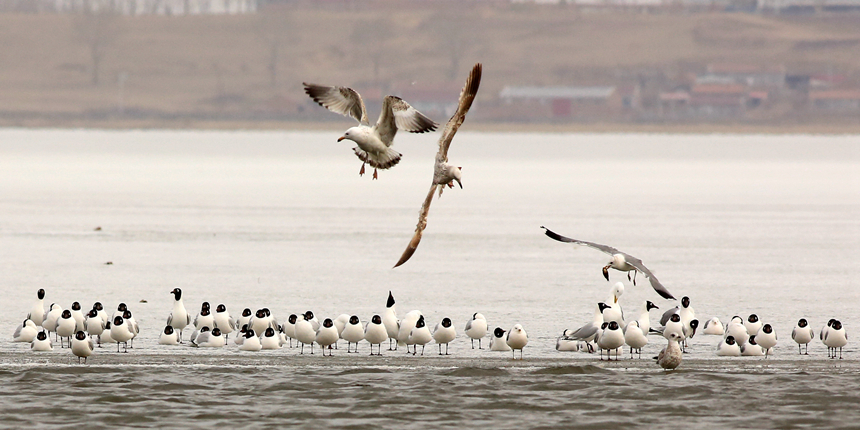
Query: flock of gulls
pixel 607 333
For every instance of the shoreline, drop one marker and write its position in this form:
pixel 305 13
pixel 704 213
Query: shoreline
pixel 573 128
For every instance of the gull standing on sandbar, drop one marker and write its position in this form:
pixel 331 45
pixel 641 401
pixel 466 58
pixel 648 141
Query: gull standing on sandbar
pixel 374 142
pixel 621 261
pixel 445 173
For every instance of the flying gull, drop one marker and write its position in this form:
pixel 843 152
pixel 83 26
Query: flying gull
pixel 621 261
pixel 374 142
pixel 445 173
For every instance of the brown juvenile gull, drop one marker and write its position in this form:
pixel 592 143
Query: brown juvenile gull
pixel 621 261
pixel 374 142
pixel 445 173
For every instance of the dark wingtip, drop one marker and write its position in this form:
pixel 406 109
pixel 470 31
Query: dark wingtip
pixel 390 300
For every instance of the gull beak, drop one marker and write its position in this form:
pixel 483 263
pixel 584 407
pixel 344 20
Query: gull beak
pixel 606 272
pixel 616 299
pixel 459 183
pixel 341 138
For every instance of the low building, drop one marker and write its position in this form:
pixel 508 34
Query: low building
pixel 839 100
pixel 558 102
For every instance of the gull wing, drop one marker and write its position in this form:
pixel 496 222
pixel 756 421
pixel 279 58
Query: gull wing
pixel 398 115
pixel 467 96
pixel 17 333
pixel 469 325
pixel 170 318
pixel 604 248
pixel 90 343
pixel 668 314
pixel 342 100
pixel 419 228
pixel 658 287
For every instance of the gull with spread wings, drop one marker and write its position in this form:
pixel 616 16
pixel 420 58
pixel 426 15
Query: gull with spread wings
pixel 621 261
pixel 445 173
pixel 374 142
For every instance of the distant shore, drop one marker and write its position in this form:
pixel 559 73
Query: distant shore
pixel 702 128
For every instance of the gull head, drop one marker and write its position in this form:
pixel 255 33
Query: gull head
pixel 356 134
pixel 617 291
pixel 650 305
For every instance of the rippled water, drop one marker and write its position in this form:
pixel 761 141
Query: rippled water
pixel 741 224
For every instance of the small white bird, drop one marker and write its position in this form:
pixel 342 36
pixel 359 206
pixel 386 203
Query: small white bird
pixel 517 339
pixel 420 335
pixel 95 325
pixel 406 326
pixel 105 337
pixel 751 348
pixel 244 319
pixel 802 334
pixel 752 324
pixel 66 327
pixel 835 337
pixel 588 332
pixel 563 343
pixel 52 318
pixel 645 317
pixel 340 323
pixel 120 332
pixel 315 324
pixel 250 341
pixel 670 357
pixel 476 328
pixel 78 316
pixel 224 321
pixel 611 338
pixel 205 317
pixel 289 328
pixel 168 336
pixel 352 332
pixel 305 333
pixel 37 312
pixel 102 314
pixel 270 339
pixel 375 333
pixel 766 338
pixel 635 338
pixel 674 326
pixel 728 347
pixel 499 341
pixel 738 330
pixel 42 342
pixel 210 339
pixel 374 142
pixel 713 326
pixel 82 346
pixel 327 335
pixel 132 326
pixel 390 321
pixel 179 318
pixel 25 332
pixel 444 333
pixel 613 311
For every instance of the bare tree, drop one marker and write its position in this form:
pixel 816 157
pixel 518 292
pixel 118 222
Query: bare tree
pixel 97 30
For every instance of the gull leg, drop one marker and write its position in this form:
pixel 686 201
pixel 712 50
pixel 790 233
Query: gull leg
pixel 361 172
pixel 374 174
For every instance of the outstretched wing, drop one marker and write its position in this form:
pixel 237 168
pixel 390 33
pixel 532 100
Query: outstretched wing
pixel 467 96
pixel 668 314
pixel 607 249
pixel 658 287
pixel 342 100
pixel 398 115
pixel 419 229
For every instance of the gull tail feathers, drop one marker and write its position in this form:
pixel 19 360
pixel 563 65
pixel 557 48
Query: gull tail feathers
pixel 384 160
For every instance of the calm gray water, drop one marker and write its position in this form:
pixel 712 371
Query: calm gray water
pixel 741 224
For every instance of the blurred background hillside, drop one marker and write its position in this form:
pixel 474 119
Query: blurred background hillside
pixel 775 64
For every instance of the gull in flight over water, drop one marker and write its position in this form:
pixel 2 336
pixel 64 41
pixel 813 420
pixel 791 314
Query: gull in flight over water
pixel 374 141
pixel 445 173
pixel 621 261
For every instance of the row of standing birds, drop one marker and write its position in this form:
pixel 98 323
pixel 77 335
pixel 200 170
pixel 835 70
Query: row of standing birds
pixel 81 331
pixel 260 330
pixel 609 331
pixel 75 329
